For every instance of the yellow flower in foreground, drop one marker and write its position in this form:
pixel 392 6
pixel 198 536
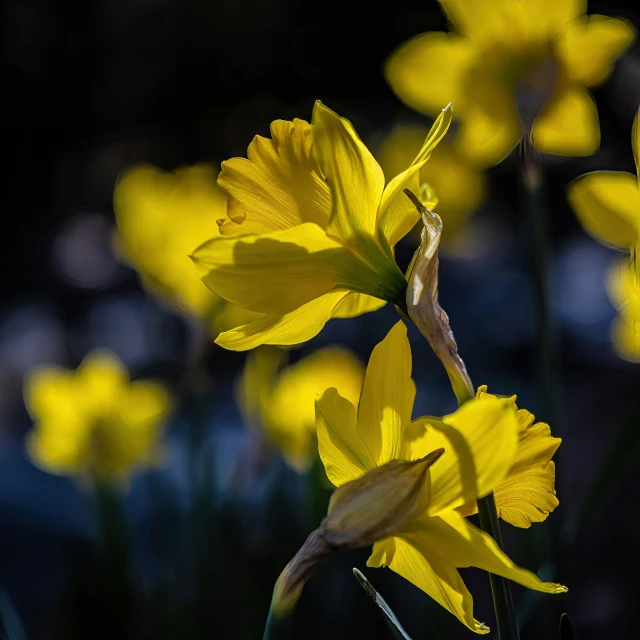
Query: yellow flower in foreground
pixel 459 185
pixel 509 62
pixel 527 493
pixel 283 403
pixel 94 421
pixel 312 228
pixel 161 217
pixel 480 443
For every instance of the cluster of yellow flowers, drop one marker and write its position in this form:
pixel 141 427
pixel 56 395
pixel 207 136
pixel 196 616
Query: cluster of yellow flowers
pixel 303 230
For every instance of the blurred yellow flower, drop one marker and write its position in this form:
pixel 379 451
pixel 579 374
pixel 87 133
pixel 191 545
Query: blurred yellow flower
pixel 313 228
pixel 459 185
pixel 480 442
pixel 94 421
pixel 623 287
pixel 607 204
pixel 283 402
pixel 162 216
pixel 509 62
pixel 527 493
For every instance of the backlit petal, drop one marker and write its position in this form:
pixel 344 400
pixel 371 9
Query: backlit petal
pixel 607 204
pixel 480 442
pixel 344 455
pixel 355 304
pixel 295 327
pixel 387 397
pixel 568 125
pixel 355 179
pixel 276 272
pixel 398 215
pixel 590 46
pixel 428 572
pixel 278 185
pixel 635 142
pixel 428 71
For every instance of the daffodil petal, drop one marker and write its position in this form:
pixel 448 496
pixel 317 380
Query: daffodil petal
pixel 436 578
pixel 355 304
pixel 295 327
pixel 355 179
pixel 625 335
pixel 398 215
pixel 344 455
pixel 453 537
pixel 536 446
pixel 387 397
pixel 427 72
pixel 50 391
pixel 479 440
pixel 527 497
pixel 278 185
pixel 590 45
pixel 607 204
pixel 635 143
pixel 276 272
pixel 569 124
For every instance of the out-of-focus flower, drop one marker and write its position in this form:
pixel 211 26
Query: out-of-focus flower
pixel 94 422
pixel 459 185
pixel 476 448
pixel 509 65
pixel 313 228
pixel 527 493
pixel 283 403
pixel 607 204
pixel 162 216
pixel 623 287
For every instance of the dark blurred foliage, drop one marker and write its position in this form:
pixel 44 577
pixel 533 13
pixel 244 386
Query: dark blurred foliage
pixel 92 87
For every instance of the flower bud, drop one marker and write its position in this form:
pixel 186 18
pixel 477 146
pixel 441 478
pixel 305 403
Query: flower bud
pixel 423 307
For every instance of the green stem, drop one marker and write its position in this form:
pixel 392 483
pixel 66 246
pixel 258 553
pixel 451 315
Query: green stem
pixel 500 587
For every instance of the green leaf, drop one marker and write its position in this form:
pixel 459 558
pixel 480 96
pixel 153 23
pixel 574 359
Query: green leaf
pixel 394 624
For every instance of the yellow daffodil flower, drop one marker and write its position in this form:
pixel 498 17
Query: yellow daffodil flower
pixel 527 493
pixel 623 287
pixel 283 403
pixel 466 455
pixel 161 217
pixel 607 204
pixel 311 228
pixel 508 63
pixel 445 172
pixel 94 421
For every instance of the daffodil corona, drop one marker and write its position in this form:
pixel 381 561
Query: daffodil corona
pixel 94 422
pixel 509 65
pixel 310 229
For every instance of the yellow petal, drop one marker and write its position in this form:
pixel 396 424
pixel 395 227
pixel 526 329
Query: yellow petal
pixel 590 46
pixel 277 272
pixel 536 447
pixel 452 537
pixel 387 397
pixel 623 286
pixel 398 215
pixel 289 409
pixel 344 455
pixel 355 179
pixel 49 392
pixel 103 379
pixel 295 327
pixel 607 204
pixel 432 574
pixel 278 185
pixel 428 71
pixel 355 304
pixel 625 335
pixel 528 496
pixel 568 125
pixel 479 440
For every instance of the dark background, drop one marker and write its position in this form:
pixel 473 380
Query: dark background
pixel 89 88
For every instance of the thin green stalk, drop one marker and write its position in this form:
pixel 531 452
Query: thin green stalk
pixel 278 627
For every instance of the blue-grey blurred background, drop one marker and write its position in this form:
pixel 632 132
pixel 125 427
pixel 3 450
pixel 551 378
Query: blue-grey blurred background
pixel 90 88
